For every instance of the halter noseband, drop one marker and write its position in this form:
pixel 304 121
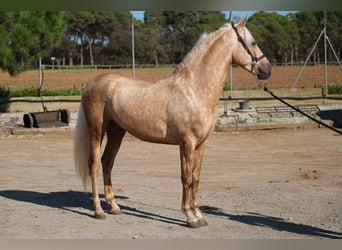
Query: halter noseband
pixel 244 45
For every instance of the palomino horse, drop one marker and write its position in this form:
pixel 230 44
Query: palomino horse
pixel 180 109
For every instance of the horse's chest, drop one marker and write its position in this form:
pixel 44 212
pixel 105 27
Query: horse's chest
pixel 196 122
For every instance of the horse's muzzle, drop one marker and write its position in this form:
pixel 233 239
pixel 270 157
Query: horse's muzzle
pixel 263 72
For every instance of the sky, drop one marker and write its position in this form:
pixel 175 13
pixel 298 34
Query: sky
pixel 140 14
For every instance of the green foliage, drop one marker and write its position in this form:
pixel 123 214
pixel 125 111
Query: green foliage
pixel 239 120
pixel 34 92
pixel 29 91
pixel 165 37
pixel 334 89
pixel 100 32
pixel 105 37
pixel 26 36
pixel 277 35
pixel 178 31
pixel 291 37
pixel 226 87
pixel 4 92
pixel 62 92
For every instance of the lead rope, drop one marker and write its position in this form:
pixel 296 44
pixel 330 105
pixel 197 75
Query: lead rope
pixel 301 112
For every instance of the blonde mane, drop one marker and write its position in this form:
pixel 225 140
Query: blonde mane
pixel 205 40
pixel 248 37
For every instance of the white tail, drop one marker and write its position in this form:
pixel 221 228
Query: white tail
pixel 81 148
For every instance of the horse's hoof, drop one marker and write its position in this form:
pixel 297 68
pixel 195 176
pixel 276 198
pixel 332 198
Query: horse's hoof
pixel 116 211
pixel 202 222
pixel 194 224
pixel 100 216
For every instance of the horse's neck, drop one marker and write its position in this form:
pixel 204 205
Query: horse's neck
pixel 205 68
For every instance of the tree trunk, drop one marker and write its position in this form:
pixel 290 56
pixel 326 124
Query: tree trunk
pixel 318 58
pixel 71 63
pixel 285 59
pixel 58 62
pixel 90 46
pixel 156 58
pixel 81 63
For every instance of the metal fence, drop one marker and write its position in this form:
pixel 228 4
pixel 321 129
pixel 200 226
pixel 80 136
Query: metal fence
pixel 100 66
pixel 141 66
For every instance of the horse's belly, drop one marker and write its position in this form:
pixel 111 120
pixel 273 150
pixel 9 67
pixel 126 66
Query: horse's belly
pixel 142 113
pixel 155 138
pixel 149 130
pixel 147 125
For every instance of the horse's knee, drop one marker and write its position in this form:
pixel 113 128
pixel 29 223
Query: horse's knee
pixel 93 169
pixel 187 181
pixel 106 165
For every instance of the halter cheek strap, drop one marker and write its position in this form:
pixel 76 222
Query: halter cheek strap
pixel 244 45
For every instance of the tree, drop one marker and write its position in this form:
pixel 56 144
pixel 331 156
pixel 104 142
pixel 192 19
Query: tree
pixel 26 36
pixel 308 28
pixel 179 30
pixel 334 30
pixel 276 34
pixel 79 29
pixel 294 37
pixel 165 37
pixel 148 49
pixel 96 31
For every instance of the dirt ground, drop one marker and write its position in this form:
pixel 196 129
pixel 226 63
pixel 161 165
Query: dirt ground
pixel 254 184
pixel 282 77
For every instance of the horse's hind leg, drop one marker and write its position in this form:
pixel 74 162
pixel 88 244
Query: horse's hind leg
pixel 94 165
pixel 115 135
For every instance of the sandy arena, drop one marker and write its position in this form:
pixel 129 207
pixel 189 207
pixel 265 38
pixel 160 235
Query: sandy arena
pixel 254 184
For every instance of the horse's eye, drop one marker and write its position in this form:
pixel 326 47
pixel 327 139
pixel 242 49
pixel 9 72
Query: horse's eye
pixel 254 44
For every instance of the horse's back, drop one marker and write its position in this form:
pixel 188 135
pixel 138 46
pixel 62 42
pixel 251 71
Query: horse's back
pixel 109 81
pixel 104 87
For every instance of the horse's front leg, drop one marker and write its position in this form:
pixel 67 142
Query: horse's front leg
pixel 187 156
pixel 195 179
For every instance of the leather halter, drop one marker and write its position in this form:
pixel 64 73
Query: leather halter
pixel 255 59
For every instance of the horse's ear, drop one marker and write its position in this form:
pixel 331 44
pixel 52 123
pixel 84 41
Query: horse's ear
pixel 242 22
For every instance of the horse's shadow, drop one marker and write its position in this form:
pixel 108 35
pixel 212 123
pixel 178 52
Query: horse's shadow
pixel 273 223
pixel 72 201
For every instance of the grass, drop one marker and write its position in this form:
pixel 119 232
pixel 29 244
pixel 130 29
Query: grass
pixel 32 91
pixel 239 120
pixel 334 89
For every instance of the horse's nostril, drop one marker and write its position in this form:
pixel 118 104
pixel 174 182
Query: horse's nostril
pixel 264 73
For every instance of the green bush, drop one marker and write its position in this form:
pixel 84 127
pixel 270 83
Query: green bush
pixel 32 91
pixel 29 91
pixel 334 89
pixel 62 92
pixel 4 93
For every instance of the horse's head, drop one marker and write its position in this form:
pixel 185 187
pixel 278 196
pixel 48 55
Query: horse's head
pixel 247 53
